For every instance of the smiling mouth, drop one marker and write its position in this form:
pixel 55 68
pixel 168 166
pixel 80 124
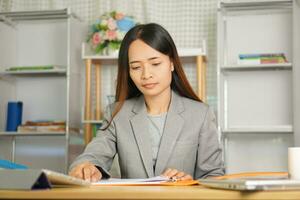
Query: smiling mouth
pixel 149 85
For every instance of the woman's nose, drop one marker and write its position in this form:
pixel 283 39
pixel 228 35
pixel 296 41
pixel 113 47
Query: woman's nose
pixel 146 72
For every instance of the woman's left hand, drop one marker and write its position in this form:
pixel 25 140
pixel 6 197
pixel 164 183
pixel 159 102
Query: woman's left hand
pixel 176 175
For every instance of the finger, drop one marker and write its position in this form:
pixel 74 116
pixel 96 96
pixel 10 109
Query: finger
pixel 77 169
pixel 72 172
pixel 87 173
pixel 179 175
pixel 186 177
pixel 78 175
pixel 96 176
pixel 76 172
pixel 172 173
pixel 166 172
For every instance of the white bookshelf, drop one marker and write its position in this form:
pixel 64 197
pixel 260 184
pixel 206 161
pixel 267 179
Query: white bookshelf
pixel 40 38
pixel 255 111
pixel 296 71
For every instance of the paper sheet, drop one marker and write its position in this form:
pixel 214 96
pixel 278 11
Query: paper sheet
pixel 148 181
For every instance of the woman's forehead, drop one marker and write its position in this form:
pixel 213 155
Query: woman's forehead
pixel 139 50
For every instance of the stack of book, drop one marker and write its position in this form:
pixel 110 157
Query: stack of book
pixel 43 126
pixel 257 59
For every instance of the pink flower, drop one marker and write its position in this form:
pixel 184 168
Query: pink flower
pixel 96 38
pixel 111 24
pixel 119 16
pixel 111 35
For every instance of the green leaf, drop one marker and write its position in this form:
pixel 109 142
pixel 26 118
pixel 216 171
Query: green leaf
pixel 100 47
pixel 114 45
pixel 113 14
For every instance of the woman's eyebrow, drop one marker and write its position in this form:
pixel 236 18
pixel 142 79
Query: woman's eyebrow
pixel 136 61
pixel 153 58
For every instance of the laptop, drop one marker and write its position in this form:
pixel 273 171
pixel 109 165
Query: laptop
pixel 254 182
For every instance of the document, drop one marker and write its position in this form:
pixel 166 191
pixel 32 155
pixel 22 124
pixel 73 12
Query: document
pixel 157 180
pixel 117 181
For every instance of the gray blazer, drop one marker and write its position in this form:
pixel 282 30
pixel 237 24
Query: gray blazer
pixel 189 142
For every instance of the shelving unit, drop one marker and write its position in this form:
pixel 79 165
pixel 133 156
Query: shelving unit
pixel 255 112
pixel 97 60
pixel 296 71
pixel 36 38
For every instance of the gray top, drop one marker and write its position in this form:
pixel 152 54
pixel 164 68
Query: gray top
pixel 189 142
pixel 156 129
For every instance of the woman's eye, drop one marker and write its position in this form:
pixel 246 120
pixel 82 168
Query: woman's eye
pixel 156 64
pixel 135 67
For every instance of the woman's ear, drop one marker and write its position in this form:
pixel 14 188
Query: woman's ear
pixel 172 66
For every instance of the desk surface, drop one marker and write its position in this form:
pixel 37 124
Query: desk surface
pixel 145 192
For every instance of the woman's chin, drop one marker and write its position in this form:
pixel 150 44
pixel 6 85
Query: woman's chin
pixel 150 92
pixel 153 92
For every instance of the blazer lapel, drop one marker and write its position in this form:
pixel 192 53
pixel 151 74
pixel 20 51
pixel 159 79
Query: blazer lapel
pixel 173 126
pixel 139 125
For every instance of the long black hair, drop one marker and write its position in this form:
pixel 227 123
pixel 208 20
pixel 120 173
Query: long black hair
pixel 159 39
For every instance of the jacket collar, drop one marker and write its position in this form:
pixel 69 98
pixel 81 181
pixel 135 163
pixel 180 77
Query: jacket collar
pixel 173 126
pixel 176 104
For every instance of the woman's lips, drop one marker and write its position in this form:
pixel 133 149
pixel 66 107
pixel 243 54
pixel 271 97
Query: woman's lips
pixel 149 85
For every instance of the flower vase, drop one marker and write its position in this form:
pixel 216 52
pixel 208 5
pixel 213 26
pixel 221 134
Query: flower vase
pixel 111 52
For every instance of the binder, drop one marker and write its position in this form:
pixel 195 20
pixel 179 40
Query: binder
pixel 23 179
pixel 31 179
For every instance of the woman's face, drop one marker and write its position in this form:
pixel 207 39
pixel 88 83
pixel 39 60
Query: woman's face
pixel 150 70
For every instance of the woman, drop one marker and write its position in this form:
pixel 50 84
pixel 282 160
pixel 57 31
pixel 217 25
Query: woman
pixel 159 126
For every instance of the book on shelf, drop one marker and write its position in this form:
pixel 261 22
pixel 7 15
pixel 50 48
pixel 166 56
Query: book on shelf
pixel 264 58
pixel 95 128
pixel 45 123
pixel 34 68
pixel 43 126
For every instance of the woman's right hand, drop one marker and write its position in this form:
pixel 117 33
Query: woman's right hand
pixel 86 171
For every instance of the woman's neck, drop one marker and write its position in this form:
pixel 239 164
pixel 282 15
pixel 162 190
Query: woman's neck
pixel 158 104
